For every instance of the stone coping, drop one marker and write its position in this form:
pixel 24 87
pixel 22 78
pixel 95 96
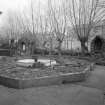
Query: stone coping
pixel 46 80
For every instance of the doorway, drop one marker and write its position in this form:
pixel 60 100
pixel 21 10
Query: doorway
pixel 98 43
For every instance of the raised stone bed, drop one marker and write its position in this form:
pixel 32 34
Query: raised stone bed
pixel 19 77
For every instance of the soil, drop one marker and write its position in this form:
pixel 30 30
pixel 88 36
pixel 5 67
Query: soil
pixel 9 69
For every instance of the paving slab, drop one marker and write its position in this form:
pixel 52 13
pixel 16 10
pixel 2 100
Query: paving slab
pixel 52 95
pixel 62 95
pixel 96 79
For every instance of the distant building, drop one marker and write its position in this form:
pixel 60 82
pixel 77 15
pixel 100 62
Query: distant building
pixel 25 44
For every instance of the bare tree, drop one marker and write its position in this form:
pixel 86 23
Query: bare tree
pixel 58 22
pixel 43 29
pixel 83 15
pixel 14 28
pixel 30 22
pixel 15 25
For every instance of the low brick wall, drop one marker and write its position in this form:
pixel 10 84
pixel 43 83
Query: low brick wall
pixel 45 81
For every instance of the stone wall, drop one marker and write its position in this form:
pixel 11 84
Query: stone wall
pixel 47 80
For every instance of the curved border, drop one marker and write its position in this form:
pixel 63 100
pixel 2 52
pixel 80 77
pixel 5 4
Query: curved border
pixel 47 80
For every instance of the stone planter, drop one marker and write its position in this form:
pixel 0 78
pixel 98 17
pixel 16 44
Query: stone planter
pixel 45 81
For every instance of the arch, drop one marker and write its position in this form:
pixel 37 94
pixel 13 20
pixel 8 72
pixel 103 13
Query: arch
pixel 25 46
pixel 97 44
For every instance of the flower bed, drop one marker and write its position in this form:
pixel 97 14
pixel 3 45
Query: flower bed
pixel 21 77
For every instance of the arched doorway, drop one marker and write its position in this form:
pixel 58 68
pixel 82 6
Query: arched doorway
pixel 97 44
pixel 23 46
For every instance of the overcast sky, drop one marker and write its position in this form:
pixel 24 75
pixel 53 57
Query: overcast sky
pixel 17 5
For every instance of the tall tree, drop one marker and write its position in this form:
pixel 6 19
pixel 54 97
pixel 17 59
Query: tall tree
pixel 58 21
pixel 83 15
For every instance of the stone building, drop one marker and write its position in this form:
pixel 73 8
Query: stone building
pixel 97 43
pixel 25 44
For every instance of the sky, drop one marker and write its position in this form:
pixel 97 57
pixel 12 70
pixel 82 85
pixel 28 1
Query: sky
pixel 17 5
pixel 10 5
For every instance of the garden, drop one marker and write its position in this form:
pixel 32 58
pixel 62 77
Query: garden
pixel 18 74
pixel 39 50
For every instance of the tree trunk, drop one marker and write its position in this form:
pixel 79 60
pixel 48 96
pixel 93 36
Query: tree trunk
pixel 84 48
pixel 59 48
pixel 71 45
